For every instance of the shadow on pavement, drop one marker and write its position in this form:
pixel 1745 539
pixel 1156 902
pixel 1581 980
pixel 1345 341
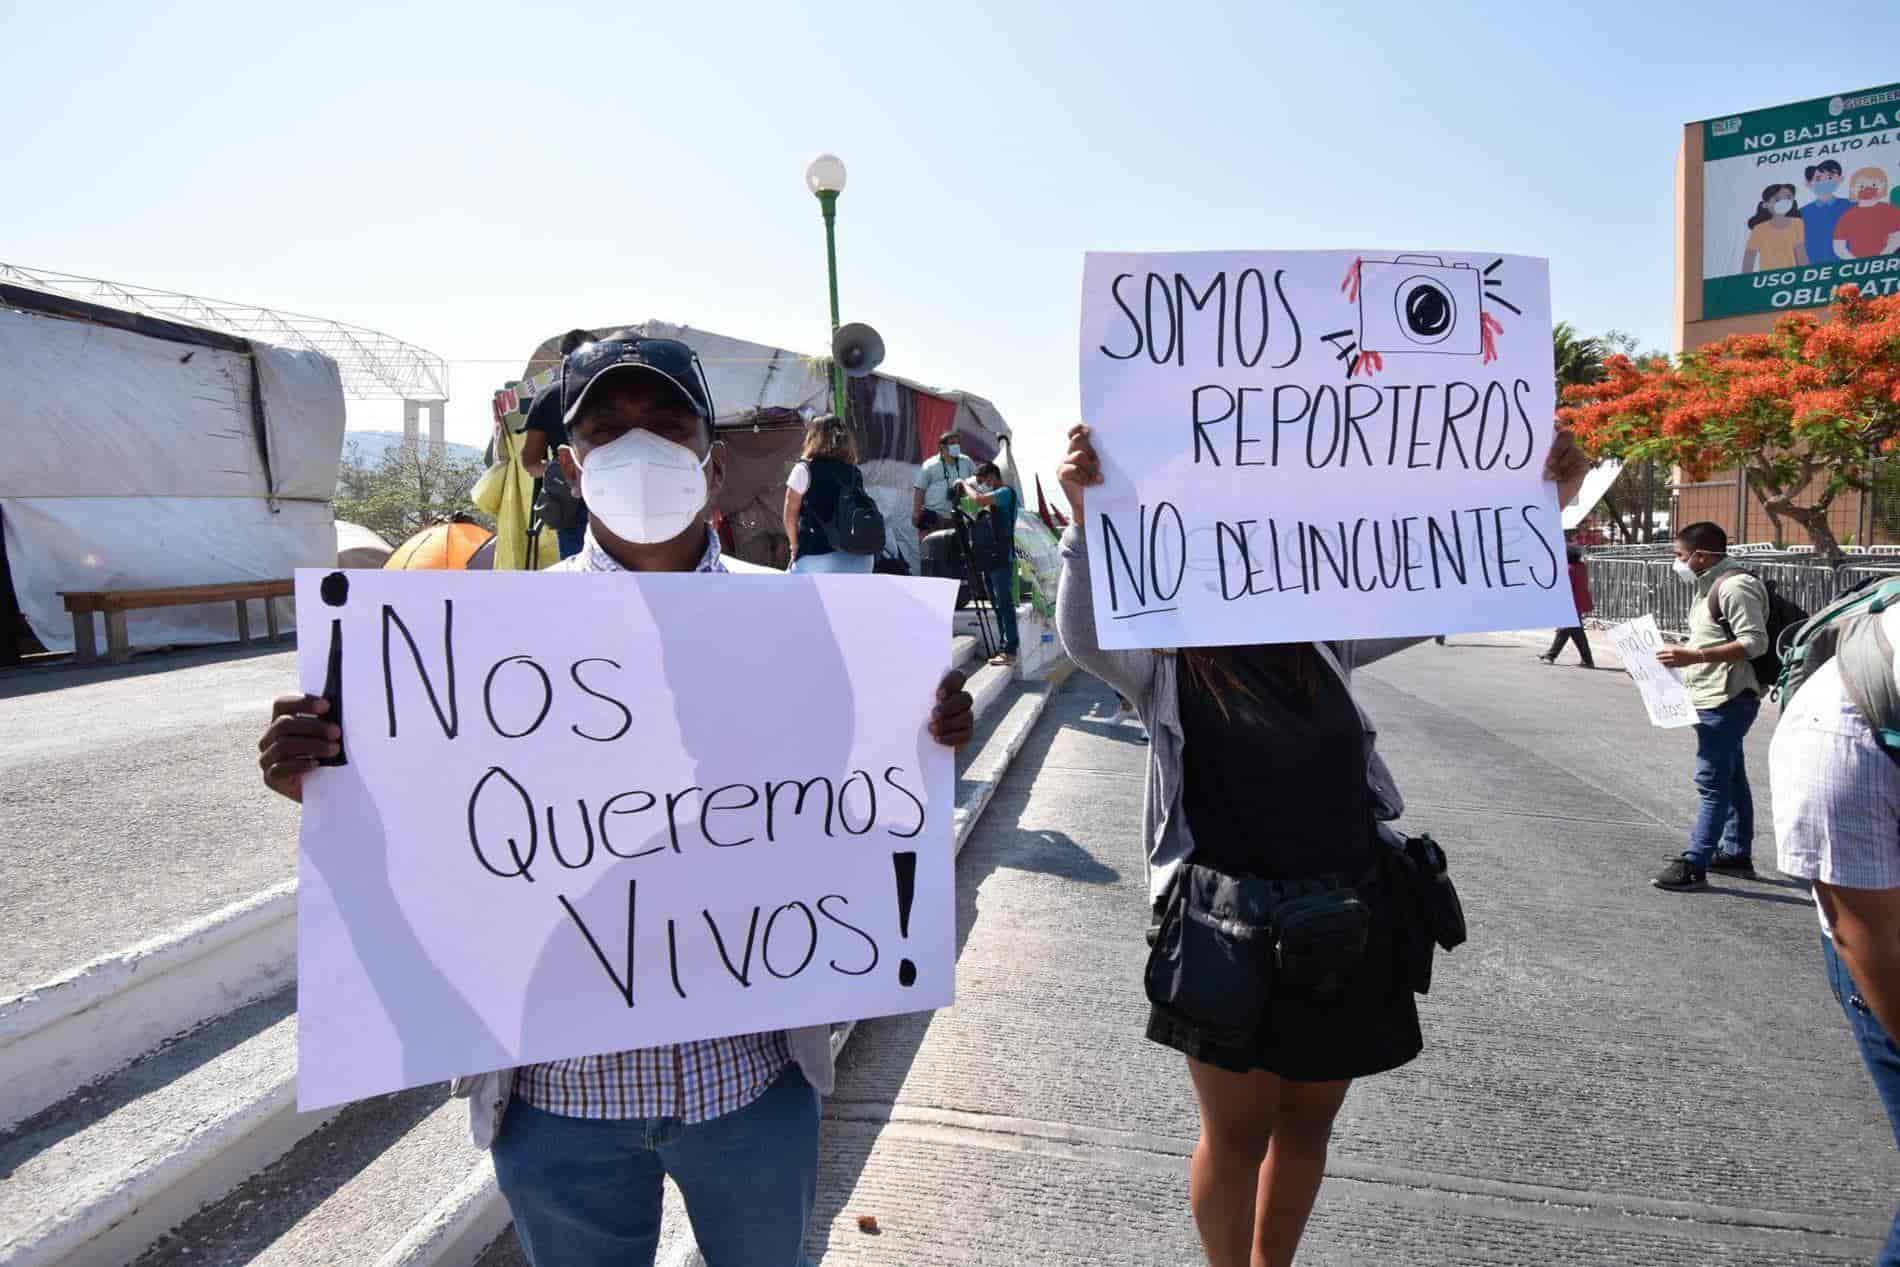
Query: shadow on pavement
pixel 1752 896
pixel 1120 731
pixel 36 679
pixel 882 1052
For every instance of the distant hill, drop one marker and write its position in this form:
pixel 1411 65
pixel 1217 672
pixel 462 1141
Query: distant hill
pixel 370 445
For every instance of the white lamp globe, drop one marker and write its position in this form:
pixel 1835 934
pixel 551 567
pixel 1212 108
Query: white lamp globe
pixel 825 175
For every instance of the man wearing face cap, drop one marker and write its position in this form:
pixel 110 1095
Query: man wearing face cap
pixel 581 1145
pixel 1835 775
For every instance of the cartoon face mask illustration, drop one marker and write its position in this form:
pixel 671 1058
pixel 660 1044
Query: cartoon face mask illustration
pixel 1869 185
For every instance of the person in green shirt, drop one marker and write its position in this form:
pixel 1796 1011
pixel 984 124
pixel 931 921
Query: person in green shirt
pixel 988 490
pixel 1728 627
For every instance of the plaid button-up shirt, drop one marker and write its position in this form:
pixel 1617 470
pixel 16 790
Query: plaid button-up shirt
pixel 694 1082
pixel 1837 795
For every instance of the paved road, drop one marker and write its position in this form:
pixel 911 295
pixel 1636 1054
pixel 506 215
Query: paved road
pixel 1613 1075
pixel 130 802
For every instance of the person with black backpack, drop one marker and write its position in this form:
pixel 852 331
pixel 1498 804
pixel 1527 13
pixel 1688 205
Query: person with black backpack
pixel 831 522
pixel 556 504
pixel 1728 630
pixel 1835 769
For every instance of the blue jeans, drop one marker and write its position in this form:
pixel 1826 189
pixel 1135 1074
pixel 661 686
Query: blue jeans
pixel 1726 817
pixel 1001 583
pixel 585 1192
pixel 1882 1059
pixel 836 561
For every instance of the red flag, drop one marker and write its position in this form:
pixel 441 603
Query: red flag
pixel 1053 519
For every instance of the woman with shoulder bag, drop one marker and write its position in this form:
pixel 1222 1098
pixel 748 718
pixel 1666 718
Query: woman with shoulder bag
pixel 826 466
pixel 1291 918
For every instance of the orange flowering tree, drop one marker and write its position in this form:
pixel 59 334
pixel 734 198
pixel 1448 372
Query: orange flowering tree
pixel 1803 413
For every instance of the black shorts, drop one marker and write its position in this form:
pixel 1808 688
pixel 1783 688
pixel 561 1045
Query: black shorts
pixel 1370 1027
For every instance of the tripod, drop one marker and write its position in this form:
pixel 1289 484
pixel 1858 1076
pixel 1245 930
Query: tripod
pixel 978 582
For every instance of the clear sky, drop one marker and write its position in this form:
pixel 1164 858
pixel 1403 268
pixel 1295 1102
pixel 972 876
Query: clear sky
pixel 476 177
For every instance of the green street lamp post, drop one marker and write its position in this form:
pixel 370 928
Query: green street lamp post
pixel 825 178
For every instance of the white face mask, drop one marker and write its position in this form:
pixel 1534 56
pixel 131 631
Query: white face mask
pixel 1782 206
pixel 1686 572
pixel 646 489
pixel 954 450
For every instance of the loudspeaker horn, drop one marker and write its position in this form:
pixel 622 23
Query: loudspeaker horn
pixel 857 348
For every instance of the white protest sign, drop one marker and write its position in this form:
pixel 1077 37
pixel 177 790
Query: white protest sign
pixel 1300 445
pixel 582 813
pixel 1668 703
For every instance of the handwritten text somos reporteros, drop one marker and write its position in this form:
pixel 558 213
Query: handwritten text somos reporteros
pixel 1302 445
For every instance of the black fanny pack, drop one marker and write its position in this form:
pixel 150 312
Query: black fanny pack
pixel 1429 912
pixel 1225 944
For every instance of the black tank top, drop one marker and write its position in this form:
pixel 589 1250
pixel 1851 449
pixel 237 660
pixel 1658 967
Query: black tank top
pixel 1275 784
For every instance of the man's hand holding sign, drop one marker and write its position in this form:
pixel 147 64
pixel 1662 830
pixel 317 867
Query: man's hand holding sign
pixel 1320 444
pixel 549 816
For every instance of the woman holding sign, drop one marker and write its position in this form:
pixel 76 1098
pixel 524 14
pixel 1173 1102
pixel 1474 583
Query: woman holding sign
pixel 1293 924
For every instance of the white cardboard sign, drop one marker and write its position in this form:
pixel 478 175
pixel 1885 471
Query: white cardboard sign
pixel 1303 445
pixel 1637 641
pixel 582 813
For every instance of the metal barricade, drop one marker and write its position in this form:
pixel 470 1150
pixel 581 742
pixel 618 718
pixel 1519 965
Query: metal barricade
pixel 1857 574
pixel 1809 586
pixel 1624 588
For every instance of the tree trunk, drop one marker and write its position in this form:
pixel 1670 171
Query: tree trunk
pixel 1814 519
pixel 1779 503
pixel 1626 533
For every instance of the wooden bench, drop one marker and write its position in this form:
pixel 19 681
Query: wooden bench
pixel 114 604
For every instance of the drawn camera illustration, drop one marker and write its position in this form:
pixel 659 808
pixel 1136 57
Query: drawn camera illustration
pixel 1419 303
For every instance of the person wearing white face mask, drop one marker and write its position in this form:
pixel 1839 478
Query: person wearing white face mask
pixel 1777 239
pixel 581 1145
pixel 932 498
pixel 1728 627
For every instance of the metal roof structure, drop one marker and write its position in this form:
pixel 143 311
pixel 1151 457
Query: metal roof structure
pixel 374 365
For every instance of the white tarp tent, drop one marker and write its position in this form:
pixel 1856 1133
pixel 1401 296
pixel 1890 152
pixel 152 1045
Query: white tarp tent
pixel 136 458
pixel 747 378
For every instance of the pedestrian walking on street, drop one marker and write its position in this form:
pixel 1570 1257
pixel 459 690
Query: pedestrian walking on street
pixel 827 466
pixel 1728 627
pixel 1579 591
pixel 1837 825
pixel 581 1145
pixel 1268 812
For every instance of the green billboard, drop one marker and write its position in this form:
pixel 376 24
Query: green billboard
pixel 1800 199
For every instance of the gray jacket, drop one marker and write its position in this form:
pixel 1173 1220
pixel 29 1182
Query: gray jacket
pixel 1147 680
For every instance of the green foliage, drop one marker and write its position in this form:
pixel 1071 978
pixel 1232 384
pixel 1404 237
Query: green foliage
pixel 411 486
pixel 1578 360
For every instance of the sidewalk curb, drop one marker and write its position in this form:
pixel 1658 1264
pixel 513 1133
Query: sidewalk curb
pixel 459 1230
pixel 101 1016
